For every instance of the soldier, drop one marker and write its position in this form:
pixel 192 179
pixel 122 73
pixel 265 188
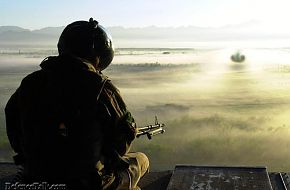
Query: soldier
pixel 68 123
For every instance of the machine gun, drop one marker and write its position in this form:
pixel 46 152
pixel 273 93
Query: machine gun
pixel 151 130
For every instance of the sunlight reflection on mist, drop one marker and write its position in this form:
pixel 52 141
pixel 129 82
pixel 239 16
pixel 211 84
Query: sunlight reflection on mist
pixel 216 111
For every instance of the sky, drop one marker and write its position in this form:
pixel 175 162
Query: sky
pixel 274 14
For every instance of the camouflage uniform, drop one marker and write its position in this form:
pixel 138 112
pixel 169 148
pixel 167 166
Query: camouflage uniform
pixel 69 124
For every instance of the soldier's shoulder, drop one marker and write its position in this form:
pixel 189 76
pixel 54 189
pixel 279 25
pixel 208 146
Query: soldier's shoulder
pixel 111 87
pixel 99 77
pixel 34 75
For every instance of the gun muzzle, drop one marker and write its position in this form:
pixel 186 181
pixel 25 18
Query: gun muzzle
pixel 155 132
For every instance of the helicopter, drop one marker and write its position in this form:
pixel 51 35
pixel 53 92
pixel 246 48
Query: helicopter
pixel 238 57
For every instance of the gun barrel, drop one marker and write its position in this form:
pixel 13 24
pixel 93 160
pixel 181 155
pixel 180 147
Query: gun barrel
pixel 151 130
pixel 151 127
pixel 140 133
pixel 155 132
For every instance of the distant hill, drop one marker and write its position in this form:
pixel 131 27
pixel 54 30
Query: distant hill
pixel 11 29
pixel 53 31
pixel 139 37
pixel 11 36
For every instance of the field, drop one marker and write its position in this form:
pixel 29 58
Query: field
pixel 216 112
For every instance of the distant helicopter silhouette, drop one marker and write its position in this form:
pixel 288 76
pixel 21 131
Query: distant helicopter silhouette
pixel 238 57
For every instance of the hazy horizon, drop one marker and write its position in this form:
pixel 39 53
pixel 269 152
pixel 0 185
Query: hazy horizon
pixel 234 36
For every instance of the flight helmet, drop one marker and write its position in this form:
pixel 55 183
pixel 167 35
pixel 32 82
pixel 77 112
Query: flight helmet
pixel 87 40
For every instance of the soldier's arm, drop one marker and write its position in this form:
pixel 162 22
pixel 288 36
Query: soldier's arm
pixel 123 127
pixel 13 123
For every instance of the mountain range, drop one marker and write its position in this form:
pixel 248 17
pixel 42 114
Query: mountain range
pixel 11 36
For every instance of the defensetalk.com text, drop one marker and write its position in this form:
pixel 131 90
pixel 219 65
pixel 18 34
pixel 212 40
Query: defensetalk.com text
pixel 34 186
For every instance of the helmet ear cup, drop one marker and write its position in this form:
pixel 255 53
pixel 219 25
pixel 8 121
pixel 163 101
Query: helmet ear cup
pixel 103 46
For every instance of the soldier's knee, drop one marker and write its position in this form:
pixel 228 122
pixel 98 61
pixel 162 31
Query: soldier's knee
pixel 143 162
